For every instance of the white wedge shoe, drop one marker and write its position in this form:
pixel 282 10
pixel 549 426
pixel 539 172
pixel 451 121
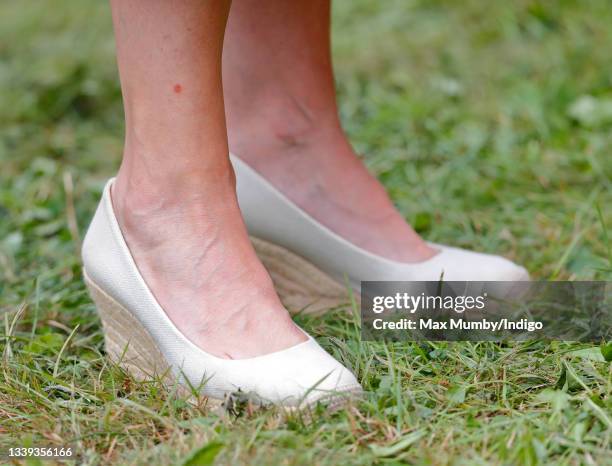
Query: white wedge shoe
pixel 140 336
pixel 308 262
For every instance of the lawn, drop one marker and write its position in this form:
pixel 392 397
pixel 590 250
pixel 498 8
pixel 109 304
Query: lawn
pixel 490 123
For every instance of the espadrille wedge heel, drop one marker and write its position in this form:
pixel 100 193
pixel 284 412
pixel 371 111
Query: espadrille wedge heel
pixel 332 261
pixel 141 337
pixel 126 341
pixel 301 286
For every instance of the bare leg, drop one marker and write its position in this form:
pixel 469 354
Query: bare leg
pixel 174 195
pixel 282 119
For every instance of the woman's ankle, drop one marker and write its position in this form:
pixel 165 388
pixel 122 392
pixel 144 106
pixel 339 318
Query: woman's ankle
pixel 281 123
pixel 141 196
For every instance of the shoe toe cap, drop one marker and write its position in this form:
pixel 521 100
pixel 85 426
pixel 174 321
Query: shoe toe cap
pixel 463 265
pixel 497 268
pixel 340 385
pixel 298 377
pixel 323 379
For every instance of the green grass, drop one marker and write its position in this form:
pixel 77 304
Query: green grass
pixel 491 125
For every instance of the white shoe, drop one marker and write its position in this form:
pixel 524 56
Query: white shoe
pixel 140 335
pixel 298 239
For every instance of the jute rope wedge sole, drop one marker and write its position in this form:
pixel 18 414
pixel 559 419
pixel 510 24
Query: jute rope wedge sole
pixel 130 346
pixel 301 286
pixel 126 341
pixel 141 337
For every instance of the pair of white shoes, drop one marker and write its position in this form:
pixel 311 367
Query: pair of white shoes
pixel 296 249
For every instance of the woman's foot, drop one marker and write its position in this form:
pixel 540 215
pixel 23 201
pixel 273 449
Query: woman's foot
pixel 193 252
pixel 321 174
pixel 139 336
pixel 282 120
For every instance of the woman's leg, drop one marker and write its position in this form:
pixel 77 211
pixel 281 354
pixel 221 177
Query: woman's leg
pixel 174 195
pixel 283 120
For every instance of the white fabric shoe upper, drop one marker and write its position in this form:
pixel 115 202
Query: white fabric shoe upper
pixel 301 374
pixel 271 216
